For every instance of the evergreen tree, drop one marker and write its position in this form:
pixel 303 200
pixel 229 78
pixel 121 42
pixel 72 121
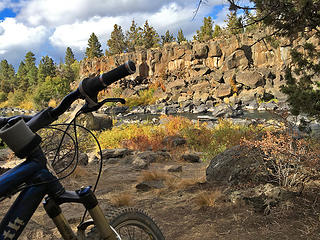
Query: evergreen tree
pixel 292 19
pixel 116 43
pixel 217 31
pixel 250 23
pixel 69 58
pixel 32 70
pixel 22 77
pixel 150 37
pixel 181 37
pixel 234 23
pixel 134 37
pixel 167 38
pixel 46 68
pixel 7 76
pixel 94 47
pixel 206 30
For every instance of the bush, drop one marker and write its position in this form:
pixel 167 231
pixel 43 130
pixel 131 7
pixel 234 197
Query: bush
pixel 3 96
pixel 16 97
pixel 146 97
pixel 52 88
pixel 289 161
pixel 200 138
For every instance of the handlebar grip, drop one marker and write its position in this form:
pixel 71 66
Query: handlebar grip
pixel 118 73
pixel 90 87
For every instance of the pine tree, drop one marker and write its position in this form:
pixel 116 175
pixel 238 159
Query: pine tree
pixel 22 77
pixel 116 43
pixel 150 37
pixel 134 37
pixel 292 19
pixel 181 38
pixel 234 23
pixel 7 76
pixel 94 47
pixel 46 68
pixel 69 58
pixel 32 70
pixel 217 31
pixel 167 38
pixel 206 30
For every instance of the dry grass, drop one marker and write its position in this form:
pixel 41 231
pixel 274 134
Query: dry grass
pixel 11 156
pixel 152 175
pixel 289 161
pixel 181 184
pixel 207 198
pixel 79 173
pixel 122 199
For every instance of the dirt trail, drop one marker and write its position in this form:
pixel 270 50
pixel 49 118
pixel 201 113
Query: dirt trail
pixel 177 209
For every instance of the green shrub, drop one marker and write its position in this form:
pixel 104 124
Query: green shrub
pixel 52 88
pixel 200 138
pixel 3 96
pixel 146 97
pixel 16 97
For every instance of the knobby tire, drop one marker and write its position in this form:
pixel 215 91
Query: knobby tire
pixel 130 224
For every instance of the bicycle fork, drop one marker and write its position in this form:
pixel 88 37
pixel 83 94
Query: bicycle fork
pixel 88 199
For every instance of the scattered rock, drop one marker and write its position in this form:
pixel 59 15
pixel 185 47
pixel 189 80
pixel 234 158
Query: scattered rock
pixel 4 154
pixel 175 168
pixel 262 197
pixel 222 110
pixel 174 141
pixel 140 163
pixel 191 157
pixel 83 159
pixel 149 185
pixel 116 153
pixel 96 121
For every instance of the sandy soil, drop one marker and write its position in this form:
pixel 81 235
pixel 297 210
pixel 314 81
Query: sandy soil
pixel 178 210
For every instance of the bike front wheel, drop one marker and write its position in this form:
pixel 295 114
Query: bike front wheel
pixel 130 224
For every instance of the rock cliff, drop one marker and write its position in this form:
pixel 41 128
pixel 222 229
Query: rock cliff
pixel 229 69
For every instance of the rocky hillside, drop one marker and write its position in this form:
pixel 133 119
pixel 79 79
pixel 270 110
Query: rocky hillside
pixel 227 69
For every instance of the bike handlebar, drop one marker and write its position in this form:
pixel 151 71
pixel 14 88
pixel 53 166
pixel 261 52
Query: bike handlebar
pixel 88 89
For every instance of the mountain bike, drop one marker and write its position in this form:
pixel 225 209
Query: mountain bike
pixel 35 179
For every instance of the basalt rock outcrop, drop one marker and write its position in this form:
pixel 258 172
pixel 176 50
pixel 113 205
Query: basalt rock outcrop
pixel 229 69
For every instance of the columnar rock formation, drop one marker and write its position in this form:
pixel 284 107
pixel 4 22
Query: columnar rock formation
pixel 226 69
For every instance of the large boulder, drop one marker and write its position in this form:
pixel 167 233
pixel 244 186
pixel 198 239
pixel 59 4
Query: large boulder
pixel 238 164
pixel 214 49
pixel 96 121
pixel 223 90
pixel 252 79
pixel 236 59
pixel 200 50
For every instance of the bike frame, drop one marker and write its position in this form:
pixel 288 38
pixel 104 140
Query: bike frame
pixel 34 172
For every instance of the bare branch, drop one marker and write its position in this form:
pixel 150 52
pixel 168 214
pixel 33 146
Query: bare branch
pixel 234 6
pixel 198 7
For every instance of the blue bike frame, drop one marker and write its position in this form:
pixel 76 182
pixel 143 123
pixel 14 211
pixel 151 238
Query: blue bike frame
pixel 40 182
pixel 31 172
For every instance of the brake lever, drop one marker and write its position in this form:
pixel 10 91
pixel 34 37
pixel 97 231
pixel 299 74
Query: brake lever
pixel 86 109
pixel 120 100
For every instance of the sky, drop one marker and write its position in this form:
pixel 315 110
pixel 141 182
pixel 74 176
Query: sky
pixel 48 27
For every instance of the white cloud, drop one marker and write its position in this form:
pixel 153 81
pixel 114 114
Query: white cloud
pixel 76 35
pixel 17 34
pixel 61 12
pixel 170 17
pixel 17 38
pixel 50 26
pixel 222 16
